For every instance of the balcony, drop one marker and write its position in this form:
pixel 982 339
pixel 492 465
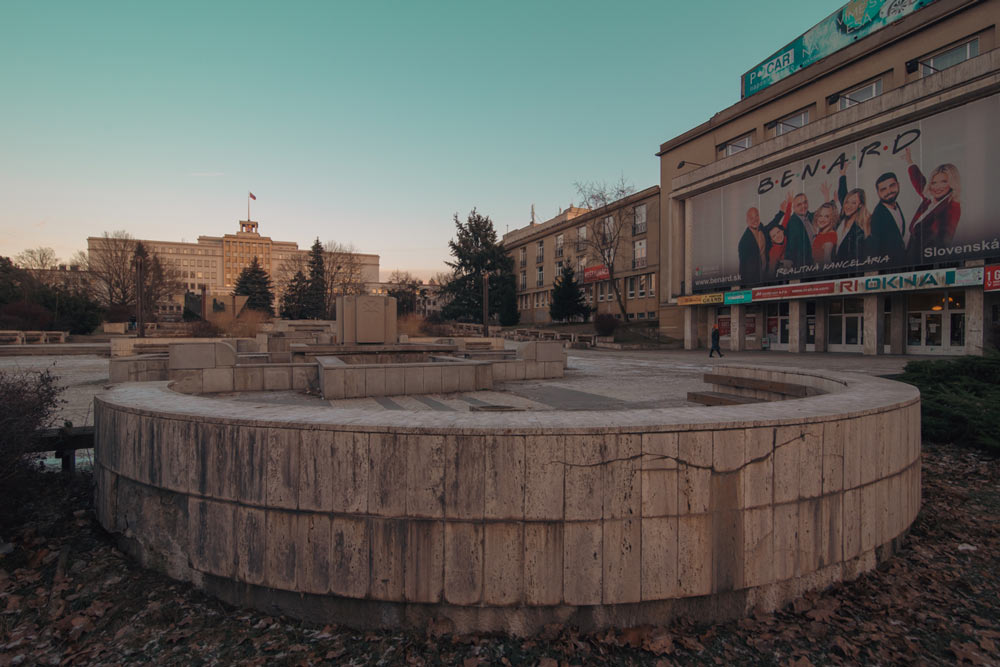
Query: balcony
pixel 539 258
pixel 539 282
pixel 638 262
pixel 559 251
pixel 523 262
pixel 581 246
pixel 638 228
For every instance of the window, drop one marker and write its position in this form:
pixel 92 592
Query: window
pixel 607 228
pixel 631 287
pixel 950 58
pixel 652 284
pixel 559 246
pixel 524 256
pixel 524 280
pixel 642 286
pixel 639 226
pixel 540 252
pixel 737 145
pixel 639 254
pixel 600 291
pixel 540 280
pixel 581 239
pixel 579 268
pixel 862 94
pixel 792 122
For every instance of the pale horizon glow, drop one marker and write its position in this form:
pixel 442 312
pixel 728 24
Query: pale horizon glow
pixel 366 124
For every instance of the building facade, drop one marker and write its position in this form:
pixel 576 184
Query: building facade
pixel 216 262
pixel 848 201
pixel 630 226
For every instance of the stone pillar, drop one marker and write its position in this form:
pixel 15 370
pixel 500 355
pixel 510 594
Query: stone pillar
pixel 874 330
pixel 822 309
pixel 737 336
pixel 690 327
pixel 897 324
pixel 797 325
pixel 688 264
pixel 975 319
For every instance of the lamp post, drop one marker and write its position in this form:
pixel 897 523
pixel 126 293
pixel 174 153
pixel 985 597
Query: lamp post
pixel 139 260
pixel 486 303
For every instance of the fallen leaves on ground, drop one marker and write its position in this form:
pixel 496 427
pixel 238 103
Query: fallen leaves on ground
pixel 67 596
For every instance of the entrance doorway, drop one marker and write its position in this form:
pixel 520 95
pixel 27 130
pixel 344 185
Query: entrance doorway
pixel 846 325
pixel 935 322
pixel 776 321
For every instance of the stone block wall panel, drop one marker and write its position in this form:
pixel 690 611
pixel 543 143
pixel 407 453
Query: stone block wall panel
pixel 501 523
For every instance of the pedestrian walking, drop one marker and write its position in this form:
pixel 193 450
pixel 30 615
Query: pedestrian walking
pixel 715 342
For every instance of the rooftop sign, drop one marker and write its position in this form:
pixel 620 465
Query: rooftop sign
pixel 855 20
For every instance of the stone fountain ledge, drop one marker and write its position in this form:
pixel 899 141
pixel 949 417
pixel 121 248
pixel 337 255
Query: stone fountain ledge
pixel 510 521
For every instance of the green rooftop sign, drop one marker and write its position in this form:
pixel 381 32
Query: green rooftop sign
pixel 853 21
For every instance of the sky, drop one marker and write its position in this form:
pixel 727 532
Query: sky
pixel 366 123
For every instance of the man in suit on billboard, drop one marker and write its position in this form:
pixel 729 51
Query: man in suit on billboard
pixel 888 222
pixel 752 250
pixel 800 232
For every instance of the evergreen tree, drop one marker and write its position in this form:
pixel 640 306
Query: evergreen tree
pixel 293 301
pixel 567 301
pixel 256 284
pixel 315 295
pixel 476 251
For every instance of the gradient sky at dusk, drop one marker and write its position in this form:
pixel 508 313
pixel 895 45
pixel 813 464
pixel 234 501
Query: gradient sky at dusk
pixel 369 123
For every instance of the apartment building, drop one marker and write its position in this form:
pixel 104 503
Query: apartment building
pixel 848 201
pixel 631 226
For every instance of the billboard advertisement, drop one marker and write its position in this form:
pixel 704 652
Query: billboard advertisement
pixel 917 194
pixel 853 21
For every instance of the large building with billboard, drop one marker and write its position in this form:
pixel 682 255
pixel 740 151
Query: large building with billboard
pixel 850 201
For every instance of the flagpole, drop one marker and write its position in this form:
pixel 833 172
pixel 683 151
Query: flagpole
pixel 248 207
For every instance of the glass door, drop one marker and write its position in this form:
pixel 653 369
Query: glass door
pixel 846 325
pixel 935 323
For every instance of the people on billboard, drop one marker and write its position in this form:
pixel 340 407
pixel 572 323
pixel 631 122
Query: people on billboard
pixel 752 250
pixel 776 249
pixel 888 223
pixel 854 227
pixel 800 232
pixel 936 219
pixel 825 241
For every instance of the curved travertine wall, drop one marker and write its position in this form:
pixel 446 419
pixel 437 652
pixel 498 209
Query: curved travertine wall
pixel 511 521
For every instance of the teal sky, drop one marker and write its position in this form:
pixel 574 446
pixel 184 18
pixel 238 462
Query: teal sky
pixel 369 123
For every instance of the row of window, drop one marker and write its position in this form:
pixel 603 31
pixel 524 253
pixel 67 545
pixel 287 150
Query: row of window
pixel 636 287
pixel 608 229
pixel 928 65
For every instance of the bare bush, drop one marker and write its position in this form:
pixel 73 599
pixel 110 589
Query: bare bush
pixel 28 401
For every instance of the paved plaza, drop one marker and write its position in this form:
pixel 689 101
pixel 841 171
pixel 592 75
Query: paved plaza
pixel 596 379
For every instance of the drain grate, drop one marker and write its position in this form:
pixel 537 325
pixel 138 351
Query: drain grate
pixel 495 408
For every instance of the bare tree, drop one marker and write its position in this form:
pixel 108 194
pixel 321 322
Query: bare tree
pixel 404 288
pixel 35 259
pixel 111 262
pixel 343 273
pixel 611 223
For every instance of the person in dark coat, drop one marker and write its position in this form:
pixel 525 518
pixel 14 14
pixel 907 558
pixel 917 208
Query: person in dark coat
pixel 888 222
pixel 752 250
pixel 799 233
pixel 715 342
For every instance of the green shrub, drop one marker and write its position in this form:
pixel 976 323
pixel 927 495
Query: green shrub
pixel 605 324
pixel 960 399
